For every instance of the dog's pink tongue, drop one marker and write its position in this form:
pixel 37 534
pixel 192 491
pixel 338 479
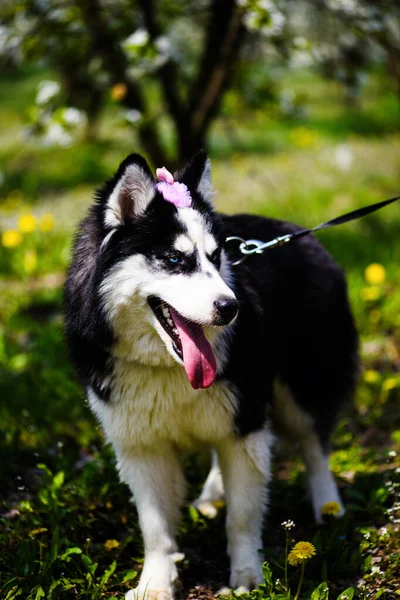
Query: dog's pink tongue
pixel 198 357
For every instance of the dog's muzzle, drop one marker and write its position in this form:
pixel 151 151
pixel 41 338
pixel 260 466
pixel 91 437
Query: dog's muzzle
pixel 225 310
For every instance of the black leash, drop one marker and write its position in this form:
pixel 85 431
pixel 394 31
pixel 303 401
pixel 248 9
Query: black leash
pixel 248 247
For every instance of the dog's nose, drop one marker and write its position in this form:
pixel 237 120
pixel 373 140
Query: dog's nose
pixel 226 310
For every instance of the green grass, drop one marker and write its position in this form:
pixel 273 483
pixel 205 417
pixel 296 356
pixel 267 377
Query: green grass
pixel 68 529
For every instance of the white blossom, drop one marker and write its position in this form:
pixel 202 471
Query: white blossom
pixel 47 90
pixel 133 116
pixel 56 135
pixel 301 59
pixel 74 117
pixel 138 38
pixel 163 45
pixel 344 157
pixel 288 524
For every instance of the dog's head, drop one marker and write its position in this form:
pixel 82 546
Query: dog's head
pixel 165 281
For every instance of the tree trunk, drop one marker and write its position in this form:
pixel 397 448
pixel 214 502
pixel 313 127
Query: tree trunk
pixel 115 63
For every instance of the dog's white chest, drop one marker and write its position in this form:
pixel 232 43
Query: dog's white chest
pixel 151 405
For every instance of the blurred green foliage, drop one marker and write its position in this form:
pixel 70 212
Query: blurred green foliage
pixel 167 65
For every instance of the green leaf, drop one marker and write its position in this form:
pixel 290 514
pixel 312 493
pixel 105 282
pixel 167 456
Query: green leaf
pixel 43 496
pixel 108 572
pixel 321 592
pixel 347 594
pixel 11 584
pixel 267 574
pixel 25 505
pixel 13 593
pixel 44 468
pixel 67 584
pixel 194 514
pixel 367 563
pixel 381 494
pixel 128 576
pixel 39 592
pixel 70 551
pixel 89 564
pixel 53 551
pixel 54 585
pixel 58 479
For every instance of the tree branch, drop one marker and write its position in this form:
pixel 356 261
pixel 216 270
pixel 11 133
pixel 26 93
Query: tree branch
pixel 115 62
pixel 168 73
pixel 221 46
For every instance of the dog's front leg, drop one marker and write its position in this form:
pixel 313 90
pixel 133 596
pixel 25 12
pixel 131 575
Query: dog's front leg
pixel 157 483
pixel 245 466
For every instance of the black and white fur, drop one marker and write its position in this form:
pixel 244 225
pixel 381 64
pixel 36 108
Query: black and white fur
pixel 287 363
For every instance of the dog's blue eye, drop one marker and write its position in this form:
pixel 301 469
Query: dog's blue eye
pixel 173 259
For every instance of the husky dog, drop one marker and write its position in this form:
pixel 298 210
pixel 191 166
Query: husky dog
pixel 178 349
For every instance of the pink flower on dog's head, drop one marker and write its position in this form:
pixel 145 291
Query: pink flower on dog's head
pixel 173 191
pixel 177 193
pixel 164 175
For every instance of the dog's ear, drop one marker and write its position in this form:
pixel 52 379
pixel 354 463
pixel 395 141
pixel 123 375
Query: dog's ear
pixel 197 176
pixel 129 192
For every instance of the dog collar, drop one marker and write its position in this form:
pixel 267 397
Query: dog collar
pixel 173 191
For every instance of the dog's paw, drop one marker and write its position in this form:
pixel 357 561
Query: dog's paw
pixel 247 578
pixel 149 594
pixel 159 585
pixel 207 509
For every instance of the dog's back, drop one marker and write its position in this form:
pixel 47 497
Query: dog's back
pixel 294 326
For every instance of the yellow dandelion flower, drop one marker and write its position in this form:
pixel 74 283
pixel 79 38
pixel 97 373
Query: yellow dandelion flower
pixel 391 383
pixel 111 544
pixel 30 261
pixel 11 238
pixel 371 376
pixel 118 92
pixel 303 137
pixel 301 552
pixel 330 508
pixel 27 223
pixel 46 222
pixel 375 274
pixel 371 293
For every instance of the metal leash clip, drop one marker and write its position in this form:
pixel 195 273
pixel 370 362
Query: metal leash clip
pixel 248 247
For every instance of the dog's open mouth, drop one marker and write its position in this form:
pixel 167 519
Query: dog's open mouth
pixel 189 343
